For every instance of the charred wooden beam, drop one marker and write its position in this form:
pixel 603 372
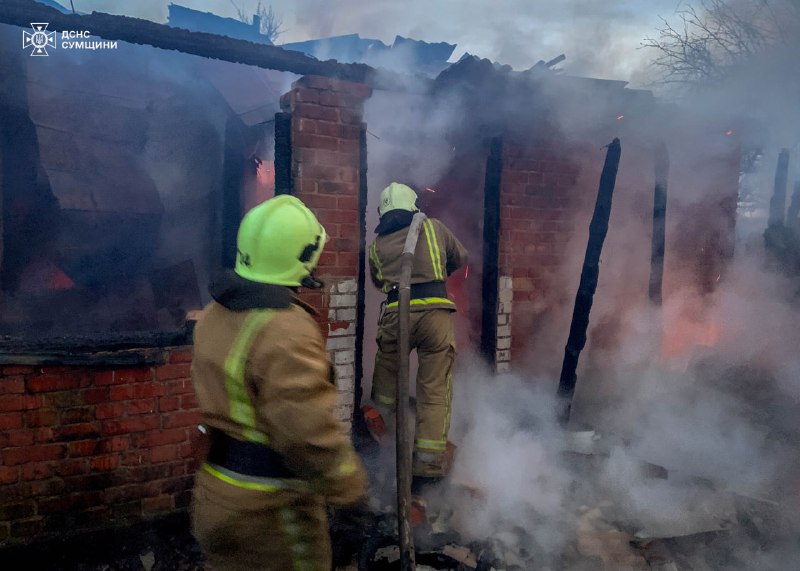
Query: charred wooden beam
pixel 777 204
pixel 659 224
pixel 137 31
pixel 598 228
pixel 491 251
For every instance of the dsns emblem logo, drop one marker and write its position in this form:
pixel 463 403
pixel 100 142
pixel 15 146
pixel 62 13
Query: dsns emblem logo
pixel 39 40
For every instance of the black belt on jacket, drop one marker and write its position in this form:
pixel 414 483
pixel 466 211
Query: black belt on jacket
pixel 420 291
pixel 248 458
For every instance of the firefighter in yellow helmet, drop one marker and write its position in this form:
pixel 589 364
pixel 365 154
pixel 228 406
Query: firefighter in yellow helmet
pixel 278 455
pixel 438 254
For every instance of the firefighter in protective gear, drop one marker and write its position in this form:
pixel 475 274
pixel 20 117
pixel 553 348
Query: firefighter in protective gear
pixel 438 254
pixel 278 455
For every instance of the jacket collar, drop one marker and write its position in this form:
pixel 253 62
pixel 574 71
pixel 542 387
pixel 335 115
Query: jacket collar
pixel 393 221
pixel 234 292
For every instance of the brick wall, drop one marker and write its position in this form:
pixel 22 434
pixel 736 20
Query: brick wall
pixel 86 447
pixel 505 297
pixel 538 196
pixel 326 164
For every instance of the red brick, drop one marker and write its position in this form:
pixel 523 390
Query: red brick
pixel 345 188
pixel 189 401
pixel 47 487
pixel 142 406
pixel 312 111
pixel 308 141
pixel 37 471
pixel 12 385
pixel 11 370
pixel 109 410
pixel 136 458
pixel 94 396
pixel 168 404
pixel 72 467
pixel 305 125
pixel 179 387
pixel 102 378
pixel 183 356
pixel 164 453
pixel 13 438
pixel 53 383
pixel 8 475
pixel 159 438
pixel 127 493
pixel 150 390
pixel 133 375
pixel 174 371
pixel 75 415
pixel 341 99
pixel 185 418
pixel 138 424
pixel 114 444
pixel 352 117
pixel 306 95
pixel 36 453
pixel 83 447
pixel 158 504
pixel 104 462
pixel 347 203
pixel 11 420
pixel 121 392
pixel 360 90
pixel 19 402
pixel 17 510
pixel 350 146
pixel 77 431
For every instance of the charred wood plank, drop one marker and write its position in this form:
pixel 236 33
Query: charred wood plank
pixel 777 204
pixel 659 224
pixel 137 31
pixel 598 228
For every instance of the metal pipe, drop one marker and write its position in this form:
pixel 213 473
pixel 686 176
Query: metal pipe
pixel 403 446
pixel 598 229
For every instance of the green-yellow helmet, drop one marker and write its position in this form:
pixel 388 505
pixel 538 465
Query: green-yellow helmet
pixel 279 242
pixel 397 196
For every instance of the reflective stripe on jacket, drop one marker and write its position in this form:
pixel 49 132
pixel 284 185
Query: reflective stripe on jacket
pixel 437 255
pixel 263 375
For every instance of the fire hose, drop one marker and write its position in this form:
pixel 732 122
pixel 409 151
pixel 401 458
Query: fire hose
pixel 403 447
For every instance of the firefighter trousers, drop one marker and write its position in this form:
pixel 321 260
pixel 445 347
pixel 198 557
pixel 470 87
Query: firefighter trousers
pixel 259 527
pixel 431 334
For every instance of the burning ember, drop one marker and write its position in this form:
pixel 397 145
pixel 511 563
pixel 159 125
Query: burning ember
pixel 620 117
pixel 729 132
pixel 430 189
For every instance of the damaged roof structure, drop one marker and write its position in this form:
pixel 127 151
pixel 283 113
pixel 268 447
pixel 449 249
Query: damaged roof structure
pixel 148 182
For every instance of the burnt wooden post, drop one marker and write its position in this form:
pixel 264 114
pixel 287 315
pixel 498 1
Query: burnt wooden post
pixel 794 206
pixel 491 252
pixel 598 228
pixel 283 154
pixel 659 224
pixel 777 204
